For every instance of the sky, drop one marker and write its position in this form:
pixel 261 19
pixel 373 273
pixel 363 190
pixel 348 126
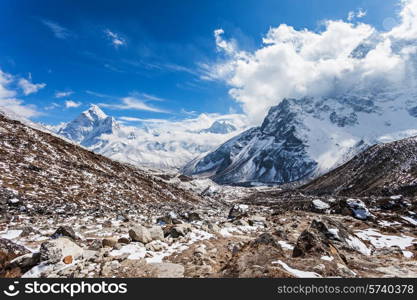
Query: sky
pixel 174 60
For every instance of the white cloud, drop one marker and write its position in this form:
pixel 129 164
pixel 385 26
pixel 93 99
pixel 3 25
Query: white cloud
pixel 115 38
pixel 190 127
pixel 59 31
pixel 360 13
pixel 134 103
pixel 10 102
pixel 28 87
pixel 72 104
pixel 297 63
pixel 63 94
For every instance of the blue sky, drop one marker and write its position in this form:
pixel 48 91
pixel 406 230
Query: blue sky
pixel 143 58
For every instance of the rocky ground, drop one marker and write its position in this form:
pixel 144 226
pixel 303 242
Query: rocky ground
pixel 307 237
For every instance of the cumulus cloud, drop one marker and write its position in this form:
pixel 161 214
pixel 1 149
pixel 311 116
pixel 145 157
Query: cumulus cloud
pixel 10 102
pixel 115 38
pixel 72 104
pixel 63 94
pixel 28 87
pixel 343 57
pixel 59 31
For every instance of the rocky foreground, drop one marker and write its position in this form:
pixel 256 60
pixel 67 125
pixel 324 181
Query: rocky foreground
pixel 67 212
pixel 312 237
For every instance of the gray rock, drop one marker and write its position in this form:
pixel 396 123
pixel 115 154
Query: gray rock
pixel 54 251
pixel 109 242
pixel 179 230
pixel 358 209
pixel 64 231
pixel 27 261
pixel 156 233
pixel 141 234
pixel 238 211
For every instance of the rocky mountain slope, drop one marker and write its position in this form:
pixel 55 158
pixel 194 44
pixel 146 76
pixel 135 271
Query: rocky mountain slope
pixel 384 169
pixel 303 138
pixel 148 146
pixel 39 167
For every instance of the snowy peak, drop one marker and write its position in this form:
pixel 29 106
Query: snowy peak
pixel 94 113
pixel 88 126
pixel 220 127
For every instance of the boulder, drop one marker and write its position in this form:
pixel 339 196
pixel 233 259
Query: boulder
pixel 15 202
pixel 156 233
pixel 141 234
pixel 177 230
pixel 26 262
pixel 64 231
pixel 123 240
pixel 155 246
pixel 326 236
pixel 238 211
pixel 54 251
pixel 26 231
pixel 170 218
pixel 319 206
pixel 253 258
pixel 358 209
pixel 8 252
pixel 122 218
pixel 109 242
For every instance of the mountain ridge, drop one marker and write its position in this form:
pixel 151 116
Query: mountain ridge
pixel 303 138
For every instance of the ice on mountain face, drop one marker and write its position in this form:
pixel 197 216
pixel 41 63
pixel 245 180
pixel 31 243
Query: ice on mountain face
pixel 303 138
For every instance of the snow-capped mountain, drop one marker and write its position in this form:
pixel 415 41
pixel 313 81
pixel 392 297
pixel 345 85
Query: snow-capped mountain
pixel 220 127
pixel 88 126
pixel 163 144
pixel 302 138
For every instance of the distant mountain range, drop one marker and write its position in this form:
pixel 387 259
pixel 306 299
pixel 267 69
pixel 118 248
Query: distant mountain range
pixel 144 146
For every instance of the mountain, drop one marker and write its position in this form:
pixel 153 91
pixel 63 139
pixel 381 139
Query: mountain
pixel 302 138
pixel 88 126
pixel 160 145
pixel 384 169
pixel 220 127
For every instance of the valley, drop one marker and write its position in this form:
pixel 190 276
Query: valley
pixel 68 212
